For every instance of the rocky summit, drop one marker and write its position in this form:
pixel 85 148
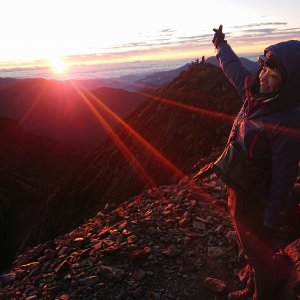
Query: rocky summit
pixel 169 242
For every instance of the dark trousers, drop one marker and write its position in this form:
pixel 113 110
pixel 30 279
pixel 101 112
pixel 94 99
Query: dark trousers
pixel 248 221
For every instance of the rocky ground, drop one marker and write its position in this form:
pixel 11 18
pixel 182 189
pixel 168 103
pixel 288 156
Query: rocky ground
pixel 169 242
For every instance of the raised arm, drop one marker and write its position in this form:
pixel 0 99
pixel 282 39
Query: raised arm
pixel 230 63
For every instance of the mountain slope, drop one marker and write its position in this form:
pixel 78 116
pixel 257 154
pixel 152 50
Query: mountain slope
pixel 159 79
pixel 28 165
pixel 161 245
pixel 169 242
pixel 248 64
pixel 183 136
pixel 33 156
pixel 55 109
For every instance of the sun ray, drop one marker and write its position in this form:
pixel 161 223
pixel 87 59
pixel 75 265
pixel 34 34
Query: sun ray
pixel 225 117
pixel 34 104
pixel 185 178
pixel 58 66
pixel 218 115
pixel 197 109
pixel 139 138
pixel 124 149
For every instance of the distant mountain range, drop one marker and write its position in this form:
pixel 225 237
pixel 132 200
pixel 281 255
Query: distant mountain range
pixel 57 110
pixel 32 156
pixel 137 82
pixel 157 79
pixel 248 64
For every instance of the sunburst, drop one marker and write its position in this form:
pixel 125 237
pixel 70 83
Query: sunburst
pixel 58 66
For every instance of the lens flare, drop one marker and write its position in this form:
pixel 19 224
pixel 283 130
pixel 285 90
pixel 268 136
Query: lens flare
pixel 123 148
pixel 58 66
pixel 179 173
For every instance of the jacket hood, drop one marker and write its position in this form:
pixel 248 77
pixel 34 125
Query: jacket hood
pixel 288 55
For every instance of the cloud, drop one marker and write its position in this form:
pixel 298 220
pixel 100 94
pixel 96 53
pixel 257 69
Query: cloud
pixel 260 24
pixel 196 37
pixel 290 29
pixel 271 31
pixel 266 34
pixel 130 45
pixel 163 44
pixel 167 30
pixel 263 30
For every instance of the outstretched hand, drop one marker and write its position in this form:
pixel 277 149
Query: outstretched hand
pixel 219 36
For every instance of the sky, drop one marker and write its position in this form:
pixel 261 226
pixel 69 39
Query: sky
pixel 79 32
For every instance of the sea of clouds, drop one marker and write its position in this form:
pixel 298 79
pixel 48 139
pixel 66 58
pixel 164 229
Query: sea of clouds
pixel 111 70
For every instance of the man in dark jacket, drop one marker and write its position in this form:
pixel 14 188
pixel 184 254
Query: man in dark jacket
pixel 267 130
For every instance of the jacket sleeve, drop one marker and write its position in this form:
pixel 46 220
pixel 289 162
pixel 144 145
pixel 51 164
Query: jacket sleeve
pixel 233 68
pixel 285 153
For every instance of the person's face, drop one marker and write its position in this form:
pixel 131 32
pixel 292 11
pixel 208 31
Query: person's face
pixel 270 80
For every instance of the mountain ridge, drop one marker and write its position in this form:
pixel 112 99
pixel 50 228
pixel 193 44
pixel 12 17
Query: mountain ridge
pixel 137 82
pixel 111 177
pixel 168 242
pixel 55 109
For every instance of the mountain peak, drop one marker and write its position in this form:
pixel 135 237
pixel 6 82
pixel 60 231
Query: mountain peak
pixel 163 139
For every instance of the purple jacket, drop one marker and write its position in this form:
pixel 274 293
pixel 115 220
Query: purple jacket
pixel 268 130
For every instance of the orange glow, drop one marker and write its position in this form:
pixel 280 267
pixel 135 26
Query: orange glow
pixel 58 66
pixel 139 138
pixel 200 110
pixel 295 133
pixel 218 115
pixel 88 97
pixel 123 148
pixel 154 55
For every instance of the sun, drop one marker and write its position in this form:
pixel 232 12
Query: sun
pixel 58 66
